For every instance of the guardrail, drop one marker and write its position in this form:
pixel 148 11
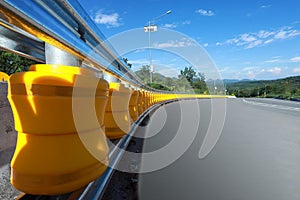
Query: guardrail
pixel 27 25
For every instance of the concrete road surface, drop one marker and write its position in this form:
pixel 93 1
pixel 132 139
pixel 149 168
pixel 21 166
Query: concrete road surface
pixel 256 157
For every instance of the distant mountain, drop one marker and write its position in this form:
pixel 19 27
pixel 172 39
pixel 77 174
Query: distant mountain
pixel 247 80
pixel 229 81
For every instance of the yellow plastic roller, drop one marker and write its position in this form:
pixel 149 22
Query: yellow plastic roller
pixel 3 77
pixel 133 106
pixel 117 119
pixel 141 102
pixel 50 157
pixel 145 101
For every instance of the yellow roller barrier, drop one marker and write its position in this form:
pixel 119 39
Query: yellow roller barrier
pixel 133 106
pixel 148 99
pixel 50 157
pixel 145 101
pixel 151 99
pixel 140 102
pixel 117 118
pixel 3 77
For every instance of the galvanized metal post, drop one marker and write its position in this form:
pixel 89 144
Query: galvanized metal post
pixel 55 55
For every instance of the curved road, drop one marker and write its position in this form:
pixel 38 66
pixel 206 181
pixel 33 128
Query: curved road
pixel 256 157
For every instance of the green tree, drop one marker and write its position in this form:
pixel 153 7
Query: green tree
pixel 199 83
pixel 144 73
pixel 158 86
pixel 188 80
pixel 188 73
pixel 11 63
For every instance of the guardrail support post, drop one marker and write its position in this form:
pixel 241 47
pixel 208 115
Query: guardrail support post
pixel 55 55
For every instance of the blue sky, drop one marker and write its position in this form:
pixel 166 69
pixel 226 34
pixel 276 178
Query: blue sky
pixel 246 39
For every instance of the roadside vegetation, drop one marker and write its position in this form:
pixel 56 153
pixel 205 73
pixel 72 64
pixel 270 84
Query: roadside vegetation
pixel 188 80
pixel 11 63
pixel 286 88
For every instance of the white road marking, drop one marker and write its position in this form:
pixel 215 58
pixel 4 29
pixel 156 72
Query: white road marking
pixel 279 100
pixel 272 105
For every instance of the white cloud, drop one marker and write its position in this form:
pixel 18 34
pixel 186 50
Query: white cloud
pixel 184 42
pixel 280 35
pixel 176 24
pixel 247 37
pixel 205 45
pixel 286 32
pixel 275 70
pixel 260 72
pixel 167 71
pixel 224 69
pixel 254 72
pixel 250 68
pixel 203 12
pixel 136 64
pixel 110 20
pixel 247 40
pixel 186 22
pixel 170 25
pixel 265 6
pixel 254 44
pixel 139 62
pixel 272 61
pixel 139 50
pixel 233 41
pixel 268 41
pixel 251 74
pixel 251 40
pixel 265 34
pixel 296 59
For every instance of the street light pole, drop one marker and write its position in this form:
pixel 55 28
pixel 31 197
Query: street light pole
pixel 152 28
pixel 150 55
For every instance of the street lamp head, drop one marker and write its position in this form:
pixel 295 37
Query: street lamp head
pixel 169 12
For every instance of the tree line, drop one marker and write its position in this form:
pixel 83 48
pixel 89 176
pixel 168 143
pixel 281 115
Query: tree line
pixel 287 88
pixel 188 80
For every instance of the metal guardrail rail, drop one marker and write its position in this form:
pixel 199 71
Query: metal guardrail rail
pixel 27 25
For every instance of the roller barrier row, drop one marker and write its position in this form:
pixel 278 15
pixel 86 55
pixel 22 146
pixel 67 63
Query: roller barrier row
pixel 50 158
